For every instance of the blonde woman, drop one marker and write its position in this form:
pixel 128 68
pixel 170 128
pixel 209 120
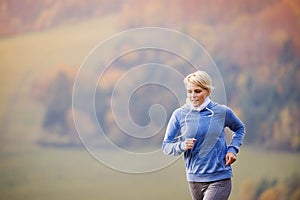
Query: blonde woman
pixel 197 130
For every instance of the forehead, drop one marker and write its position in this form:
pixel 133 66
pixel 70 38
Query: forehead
pixel 192 86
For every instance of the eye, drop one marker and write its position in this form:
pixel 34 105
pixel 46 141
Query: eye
pixel 198 91
pixel 189 91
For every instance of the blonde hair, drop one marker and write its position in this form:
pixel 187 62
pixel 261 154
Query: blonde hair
pixel 201 79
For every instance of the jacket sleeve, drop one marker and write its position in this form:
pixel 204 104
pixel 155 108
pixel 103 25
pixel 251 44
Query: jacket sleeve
pixel 238 128
pixel 171 145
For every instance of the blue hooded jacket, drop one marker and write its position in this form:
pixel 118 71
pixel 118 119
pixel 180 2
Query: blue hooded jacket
pixel 205 162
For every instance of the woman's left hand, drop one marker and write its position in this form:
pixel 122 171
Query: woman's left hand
pixel 230 158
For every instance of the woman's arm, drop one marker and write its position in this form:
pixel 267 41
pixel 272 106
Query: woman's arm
pixel 238 128
pixel 171 145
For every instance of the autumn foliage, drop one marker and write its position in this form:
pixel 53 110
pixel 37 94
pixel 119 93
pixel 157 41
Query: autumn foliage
pixel 255 44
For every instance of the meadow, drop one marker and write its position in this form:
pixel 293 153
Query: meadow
pixel 50 173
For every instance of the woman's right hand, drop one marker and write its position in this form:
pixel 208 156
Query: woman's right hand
pixel 189 143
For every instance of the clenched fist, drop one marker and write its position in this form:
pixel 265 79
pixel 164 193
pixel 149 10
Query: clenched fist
pixel 230 158
pixel 189 143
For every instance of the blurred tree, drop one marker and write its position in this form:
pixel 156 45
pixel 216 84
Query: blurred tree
pixel 293 184
pixel 59 103
pixel 247 190
pixel 274 190
pixel 269 194
pixel 295 195
pixel 263 186
pixel 287 53
pixel 102 105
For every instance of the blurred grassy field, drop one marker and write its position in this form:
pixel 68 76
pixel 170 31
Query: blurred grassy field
pixel 29 171
pixel 49 173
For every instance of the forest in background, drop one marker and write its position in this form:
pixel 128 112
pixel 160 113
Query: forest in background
pixel 255 46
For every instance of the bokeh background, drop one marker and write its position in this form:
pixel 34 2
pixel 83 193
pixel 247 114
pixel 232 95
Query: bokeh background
pixel 255 45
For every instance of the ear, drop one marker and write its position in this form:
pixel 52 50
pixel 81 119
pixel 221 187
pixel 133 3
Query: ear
pixel 208 93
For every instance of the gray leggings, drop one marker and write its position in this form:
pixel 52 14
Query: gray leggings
pixel 217 190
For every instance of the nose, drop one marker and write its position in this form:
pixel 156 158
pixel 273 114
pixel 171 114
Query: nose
pixel 193 94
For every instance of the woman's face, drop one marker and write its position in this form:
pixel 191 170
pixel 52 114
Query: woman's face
pixel 196 94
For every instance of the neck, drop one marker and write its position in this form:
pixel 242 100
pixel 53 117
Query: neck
pixel 201 107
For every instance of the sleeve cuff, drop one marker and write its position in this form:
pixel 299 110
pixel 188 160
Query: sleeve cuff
pixel 232 150
pixel 181 146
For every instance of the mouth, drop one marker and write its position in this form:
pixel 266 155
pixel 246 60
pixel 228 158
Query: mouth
pixel 195 101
